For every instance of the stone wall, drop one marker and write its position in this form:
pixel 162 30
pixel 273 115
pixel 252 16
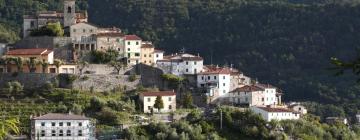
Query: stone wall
pixel 104 82
pixel 29 80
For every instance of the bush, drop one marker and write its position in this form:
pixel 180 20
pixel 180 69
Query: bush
pixel 84 78
pixel 132 78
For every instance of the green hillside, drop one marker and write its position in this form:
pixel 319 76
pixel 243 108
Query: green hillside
pixel 285 43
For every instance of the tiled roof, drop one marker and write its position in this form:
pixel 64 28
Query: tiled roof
pixel 196 58
pixel 159 93
pixel 132 37
pixel 170 60
pixel 58 116
pixel 271 109
pixel 248 88
pixel 147 46
pixel 110 34
pixel 265 85
pixel 216 70
pixel 35 51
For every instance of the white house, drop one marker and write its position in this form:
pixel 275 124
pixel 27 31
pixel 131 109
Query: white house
pixel 181 64
pixel 132 50
pixel 256 95
pixel 168 98
pixel 54 126
pixel 298 108
pixel 269 113
pixel 216 77
pixel 158 55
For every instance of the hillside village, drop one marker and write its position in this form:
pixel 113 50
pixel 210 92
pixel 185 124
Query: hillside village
pixel 103 59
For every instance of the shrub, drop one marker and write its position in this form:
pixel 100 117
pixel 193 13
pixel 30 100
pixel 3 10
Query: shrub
pixel 132 78
pixel 84 78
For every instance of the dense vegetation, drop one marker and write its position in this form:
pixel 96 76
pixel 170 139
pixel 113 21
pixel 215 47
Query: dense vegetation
pixel 241 125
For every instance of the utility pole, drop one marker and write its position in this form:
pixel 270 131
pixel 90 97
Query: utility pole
pixel 221 120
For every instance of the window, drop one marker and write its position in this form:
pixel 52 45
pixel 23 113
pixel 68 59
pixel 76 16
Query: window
pixel 149 99
pixel 187 63
pixel 149 107
pixel 128 49
pixel 202 77
pixel 91 30
pixel 262 99
pixel 170 107
pixel 61 123
pixel 129 55
pixel 169 98
pixel 80 123
pixel 208 77
pixel 108 39
pixel 149 61
pixel 84 30
pixel 187 70
pixel 69 9
pixel 224 91
pixel 144 55
pixel 215 77
pixel 137 43
pixel 157 55
pixel 32 24
pixel 145 62
pixel 149 55
pixel 68 133
pixel 68 123
pixel 137 54
pixel 117 40
pixel 80 133
pixel 128 43
pixel 224 84
pixel 53 133
pixel 119 49
pixel 61 133
pixel 195 63
pixel 52 123
pixel 224 77
pixel 42 133
pixel 195 70
pixel 42 123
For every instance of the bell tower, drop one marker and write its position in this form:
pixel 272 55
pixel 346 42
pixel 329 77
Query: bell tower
pixel 69 13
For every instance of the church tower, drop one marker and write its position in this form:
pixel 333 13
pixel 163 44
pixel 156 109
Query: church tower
pixel 69 13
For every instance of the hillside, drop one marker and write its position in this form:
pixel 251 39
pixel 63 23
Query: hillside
pixel 288 44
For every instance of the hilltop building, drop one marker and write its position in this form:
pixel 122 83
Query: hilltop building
pixel 256 95
pixel 40 54
pixel 148 101
pixel 67 18
pixel 270 113
pixel 54 126
pixel 181 64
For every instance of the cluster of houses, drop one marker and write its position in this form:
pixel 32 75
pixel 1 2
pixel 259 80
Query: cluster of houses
pixel 220 84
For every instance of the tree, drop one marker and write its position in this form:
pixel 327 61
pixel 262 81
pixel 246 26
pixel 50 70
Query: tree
pixel 7 126
pixel 82 64
pixel 58 63
pixel 44 65
pixel 117 65
pixel 17 88
pixel 159 104
pixel 51 29
pixel 31 64
pixel 187 100
pixel 18 61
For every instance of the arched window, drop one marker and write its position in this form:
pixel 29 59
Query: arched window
pixel 69 9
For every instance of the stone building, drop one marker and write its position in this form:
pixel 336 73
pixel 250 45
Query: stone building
pixel 256 95
pixel 83 36
pixel 111 40
pixel 67 18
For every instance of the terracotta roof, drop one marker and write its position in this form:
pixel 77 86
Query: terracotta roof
pixel 147 46
pixel 159 93
pixel 196 58
pixel 132 37
pixel 170 60
pixel 248 88
pixel 265 85
pixel 110 34
pixel 58 116
pixel 271 109
pixel 35 51
pixel 216 70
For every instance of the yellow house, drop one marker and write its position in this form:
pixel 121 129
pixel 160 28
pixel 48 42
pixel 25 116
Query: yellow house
pixel 41 54
pixel 147 52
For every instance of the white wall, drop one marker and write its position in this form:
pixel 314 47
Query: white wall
pixel 268 116
pixel 147 103
pixel 74 128
pixel 222 80
pixel 158 56
pixel 133 48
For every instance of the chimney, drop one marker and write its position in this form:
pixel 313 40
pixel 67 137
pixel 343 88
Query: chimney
pixel 217 66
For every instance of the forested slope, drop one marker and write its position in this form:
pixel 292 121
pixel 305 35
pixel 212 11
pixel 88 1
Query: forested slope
pixel 285 43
